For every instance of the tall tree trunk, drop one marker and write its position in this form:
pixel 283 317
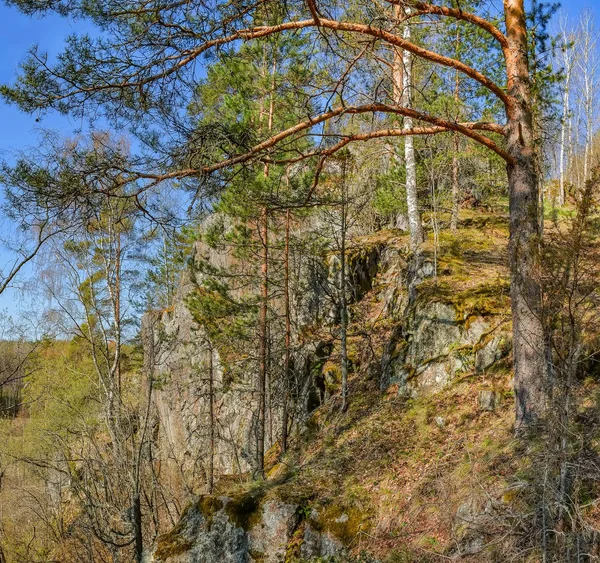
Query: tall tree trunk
pixel 117 313
pixel 402 90
pixel 412 200
pixel 211 407
pixel 343 300
pixel 264 304
pixel 288 337
pixel 577 128
pixel 455 184
pixel 262 352
pixel 456 140
pixel 565 119
pixel 529 342
pixel 149 361
pixel 137 527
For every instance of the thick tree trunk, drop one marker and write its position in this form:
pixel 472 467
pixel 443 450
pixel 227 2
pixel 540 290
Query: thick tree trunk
pixel 529 342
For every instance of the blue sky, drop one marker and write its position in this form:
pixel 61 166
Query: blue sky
pixel 18 131
pixel 17 34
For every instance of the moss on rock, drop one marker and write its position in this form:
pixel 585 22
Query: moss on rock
pixel 244 510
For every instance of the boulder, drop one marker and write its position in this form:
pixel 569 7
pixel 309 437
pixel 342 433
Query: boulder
pixel 247 529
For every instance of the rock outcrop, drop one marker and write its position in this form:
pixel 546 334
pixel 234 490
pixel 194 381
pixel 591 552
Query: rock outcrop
pixel 181 356
pixel 248 529
pixel 430 338
pixel 436 336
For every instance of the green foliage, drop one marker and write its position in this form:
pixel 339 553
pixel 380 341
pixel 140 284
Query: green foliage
pixel 390 193
pixel 61 395
pixel 165 266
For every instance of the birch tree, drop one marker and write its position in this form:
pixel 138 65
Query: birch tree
pixel 566 60
pixel 588 82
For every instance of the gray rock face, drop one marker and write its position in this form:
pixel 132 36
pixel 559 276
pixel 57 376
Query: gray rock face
pixel 181 358
pixel 361 270
pixel 429 345
pixel 180 362
pixel 473 517
pixel 270 536
pixel 313 303
pixel 493 351
pixel 222 529
pixel 204 538
pixel 319 544
pixel 433 345
pixel 182 399
pixel 432 341
pixel 316 299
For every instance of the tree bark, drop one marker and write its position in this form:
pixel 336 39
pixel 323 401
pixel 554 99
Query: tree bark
pixel 264 304
pixel 529 342
pixel 288 337
pixel 412 201
pixel 455 185
pixel 262 337
pixel 568 66
pixel 402 84
pixel 137 527
pixel 456 140
pixel 211 398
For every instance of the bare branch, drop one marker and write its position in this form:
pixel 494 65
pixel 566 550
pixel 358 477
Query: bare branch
pixel 423 8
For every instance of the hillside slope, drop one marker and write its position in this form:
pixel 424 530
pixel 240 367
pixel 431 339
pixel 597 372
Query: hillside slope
pixel 423 466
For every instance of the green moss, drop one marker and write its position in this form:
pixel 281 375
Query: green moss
pixel 208 505
pixel 487 298
pixel 292 552
pixel 180 538
pixel 244 510
pixel 171 545
pixel 175 541
pixel 332 374
pixel 344 524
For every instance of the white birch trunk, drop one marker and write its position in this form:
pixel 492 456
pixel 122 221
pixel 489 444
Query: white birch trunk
pixel 412 202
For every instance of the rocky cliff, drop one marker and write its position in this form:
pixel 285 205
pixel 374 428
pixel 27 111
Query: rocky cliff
pixel 429 340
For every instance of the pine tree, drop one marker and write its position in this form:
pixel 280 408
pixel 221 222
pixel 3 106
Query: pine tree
pixel 107 75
